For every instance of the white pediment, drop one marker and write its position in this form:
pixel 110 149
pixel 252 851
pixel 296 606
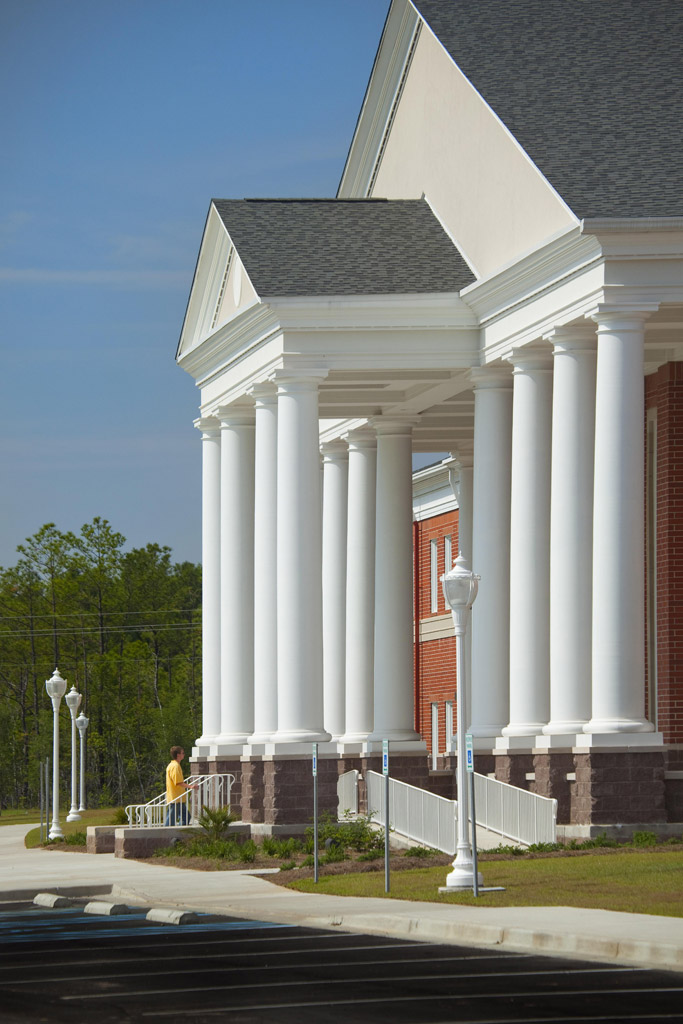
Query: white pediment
pixel 221 287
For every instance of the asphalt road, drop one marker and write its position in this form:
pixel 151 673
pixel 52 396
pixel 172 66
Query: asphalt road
pixel 65 966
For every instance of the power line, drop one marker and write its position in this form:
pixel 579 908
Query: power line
pixel 158 627
pixel 72 615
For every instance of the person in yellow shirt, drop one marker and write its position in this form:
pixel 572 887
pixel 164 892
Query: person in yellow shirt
pixel 175 787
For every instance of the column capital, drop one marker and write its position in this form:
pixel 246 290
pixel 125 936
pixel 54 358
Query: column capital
pixel 491 378
pixel 209 425
pixel 303 379
pixel 264 394
pixel 610 317
pixel 577 337
pixel 399 425
pixel 527 358
pixel 235 416
pixel 334 451
pixel 361 437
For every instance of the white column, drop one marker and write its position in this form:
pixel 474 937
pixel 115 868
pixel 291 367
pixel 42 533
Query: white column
pixel 335 506
pixel 360 585
pixel 491 551
pixel 211 581
pixel 618 527
pixel 265 563
pixel 571 528
pixel 530 543
pixel 237 576
pixel 394 717
pixel 299 562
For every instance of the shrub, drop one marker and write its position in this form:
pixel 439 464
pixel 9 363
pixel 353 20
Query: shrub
pixel 545 847
pixel 281 848
pixel 287 865
pixel 419 851
pixel 371 855
pixel 214 821
pixel 308 862
pixel 514 851
pixel 644 839
pixel 354 833
pixel 334 855
pixel 119 817
pixel 247 851
pixel 76 839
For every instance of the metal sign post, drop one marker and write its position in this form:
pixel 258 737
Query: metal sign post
pixel 385 772
pixel 469 763
pixel 315 812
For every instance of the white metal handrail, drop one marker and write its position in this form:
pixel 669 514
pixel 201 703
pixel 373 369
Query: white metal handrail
pixel 430 819
pixel 414 813
pixel 347 792
pixel 514 813
pixel 208 791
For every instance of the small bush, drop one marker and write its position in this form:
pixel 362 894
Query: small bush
pixel 214 821
pixel 514 851
pixel 335 854
pixel 119 817
pixel 280 848
pixel 308 862
pixel 76 839
pixel 354 833
pixel 371 855
pixel 287 865
pixel 545 847
pixel 598 842
pixel 247 851
pixel 644 839
pixel 419 851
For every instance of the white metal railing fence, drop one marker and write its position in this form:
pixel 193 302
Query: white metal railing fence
pixel 347 792
pixel 414 813
pixel 430 819
pixel 514 813
pixel 210 791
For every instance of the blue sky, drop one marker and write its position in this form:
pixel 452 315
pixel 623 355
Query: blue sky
pixel 120 119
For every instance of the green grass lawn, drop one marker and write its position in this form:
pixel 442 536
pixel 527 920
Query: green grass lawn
pixel 97 816
pixel 19 816
pixel 641 883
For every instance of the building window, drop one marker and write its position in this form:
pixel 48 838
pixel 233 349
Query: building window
pixel 434 574
pixel 450 726
pixel 435 735
pixel 447 554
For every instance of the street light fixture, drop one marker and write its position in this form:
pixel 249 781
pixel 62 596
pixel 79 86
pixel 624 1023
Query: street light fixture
pixel 56 688
pixel 82 723
pixel 73 701
pixel 460 587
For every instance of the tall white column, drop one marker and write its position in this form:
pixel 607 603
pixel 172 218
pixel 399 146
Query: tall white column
pixel 394 717
pixel 265 563
pixel 571 528
pixel 237 576
pixel 335 514
pixel 530 543
pixel 360 585
pixel 211 581
pixel 491 551
pixel 618 527
pixel 299 562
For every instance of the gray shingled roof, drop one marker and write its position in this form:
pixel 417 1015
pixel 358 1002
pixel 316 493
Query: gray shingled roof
pixel 342 246
pixel 592 90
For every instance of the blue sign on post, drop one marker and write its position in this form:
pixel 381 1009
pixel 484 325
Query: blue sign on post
pixel 315 758
pixel 469 756
pixel 385 757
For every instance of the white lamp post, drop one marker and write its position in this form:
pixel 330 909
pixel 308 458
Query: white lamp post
pixel 82 723
pixel 56 688
pixel 460 587
pixel 73 700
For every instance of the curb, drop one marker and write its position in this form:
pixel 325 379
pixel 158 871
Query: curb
pixel 162 915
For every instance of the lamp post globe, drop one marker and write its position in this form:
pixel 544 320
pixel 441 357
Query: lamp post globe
pixel 82 724
pixel 73 701
pixel 56 688
pixel 460 587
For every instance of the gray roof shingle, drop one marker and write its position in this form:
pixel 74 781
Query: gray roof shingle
pixel 342 246
pixel 591 89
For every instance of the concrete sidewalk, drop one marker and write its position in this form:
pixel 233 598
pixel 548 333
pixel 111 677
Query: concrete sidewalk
pixel 633 939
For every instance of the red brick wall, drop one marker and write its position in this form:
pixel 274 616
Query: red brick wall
pixel 434 659
pixel 664 391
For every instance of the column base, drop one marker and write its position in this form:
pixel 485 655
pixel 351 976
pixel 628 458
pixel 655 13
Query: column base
pixel 397 736
pixel 564 728
pixel 619 739
pixel 526 742
pixel 258 738
pixel 300 736
pixel 618 725
pixel 523 729
pixel 557 741
pixel 73 816
pixel 462 875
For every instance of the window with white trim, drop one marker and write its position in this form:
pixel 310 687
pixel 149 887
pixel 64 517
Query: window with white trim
pixel 434 574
